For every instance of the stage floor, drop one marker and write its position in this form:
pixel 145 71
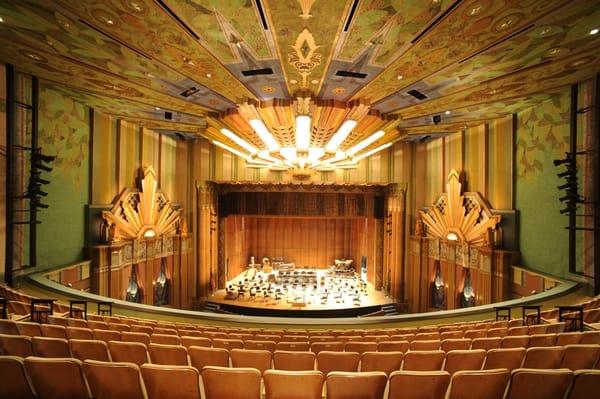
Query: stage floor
pixel 324 292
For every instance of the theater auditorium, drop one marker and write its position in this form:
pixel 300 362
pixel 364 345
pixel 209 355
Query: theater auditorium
pixel 299 199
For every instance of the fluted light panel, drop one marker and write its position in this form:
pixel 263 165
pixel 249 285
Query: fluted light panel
pixel 264 134
pixel 230 149
pixel 341 135
pixel 366 142
pixel 239 141
pixel 303 123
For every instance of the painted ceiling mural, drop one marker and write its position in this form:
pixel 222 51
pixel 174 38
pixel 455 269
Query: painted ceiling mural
pixel 197 67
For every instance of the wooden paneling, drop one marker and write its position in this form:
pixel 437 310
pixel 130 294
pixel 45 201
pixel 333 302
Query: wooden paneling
pixel 306 241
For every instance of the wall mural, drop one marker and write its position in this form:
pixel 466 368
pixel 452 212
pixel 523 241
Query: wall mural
pixel 542 134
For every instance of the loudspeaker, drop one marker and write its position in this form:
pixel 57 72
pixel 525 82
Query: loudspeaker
pixel 168 115
pixel 437 119
pixel 379 205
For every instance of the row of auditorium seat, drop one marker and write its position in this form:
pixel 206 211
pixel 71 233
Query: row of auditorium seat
pixel 570 356
pixel 66 378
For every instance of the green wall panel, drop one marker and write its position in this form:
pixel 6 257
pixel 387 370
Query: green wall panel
pixel 542 136
pixel 64 132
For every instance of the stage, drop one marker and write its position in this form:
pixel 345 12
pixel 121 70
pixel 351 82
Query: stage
pixel 300 293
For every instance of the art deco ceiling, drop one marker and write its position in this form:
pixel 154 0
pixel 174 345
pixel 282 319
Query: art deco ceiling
pixel 219 63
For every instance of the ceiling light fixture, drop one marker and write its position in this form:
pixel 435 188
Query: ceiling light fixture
pixel 341 135
pixel 157 108
pixel 209 75
pixel 230 149
pixel 594 31
pixel 400 77
pixel 303 132
pixel 264 134
pixel 366 142
pixel 448 112
pixel 373 151
pixel 239 141
pixel 1 19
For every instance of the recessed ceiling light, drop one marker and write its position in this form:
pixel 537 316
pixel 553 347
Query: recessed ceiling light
pixel 108 21
pixel 34 56
pixel 1 19
pixel 399 77
pixel 149 75
pixel 209 75
pixel 594 31
pixel 448 112
pixel 157 108
pixel 475 10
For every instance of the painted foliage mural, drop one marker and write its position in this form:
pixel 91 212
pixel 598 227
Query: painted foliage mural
pixel 542 136
pixel 64 132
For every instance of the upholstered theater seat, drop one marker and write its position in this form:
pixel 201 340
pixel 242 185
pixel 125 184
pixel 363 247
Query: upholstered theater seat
pixel 476 384
pixel 161 381
pixel 349 385
pixel 57 378
pixel 281 384
pixel 423 360
pixel 108 380
pixel 294 361
pixel 508 358
pixel 89 350
pixel 247 358
pixel 539 384
pixel 172 355
pixel 231 383
pixel 201 356
pixel 418 384
pixel 50 347
pixel 386 362
pixel 130 352
pixel 337 361
pixel 15 381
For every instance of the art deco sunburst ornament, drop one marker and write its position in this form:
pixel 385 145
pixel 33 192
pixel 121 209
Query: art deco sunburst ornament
pixel 456 218
pixel 143 214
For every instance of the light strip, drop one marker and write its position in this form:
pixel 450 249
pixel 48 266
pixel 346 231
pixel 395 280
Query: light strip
pixel 230 149
pixel 366 142
pixel 264 134
pixel 373 151
pixel 341 135
pixel 302 132
pixel 265 155
pixel 239 141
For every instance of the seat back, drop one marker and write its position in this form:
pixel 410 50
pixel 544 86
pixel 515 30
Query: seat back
pixel 459 360
pixel 50 347
pixel 15 345
pixel 260 345
pixel 486 343
pixel 478 384
pixel 29 329
pixel 8 327
pixel 129 336
pixel 52 331
pixel 172 355
pixel 539 384
pixel 423 360
pixel 568 338
pixel 292 346
pixel 79 333
pixel 280 384
pixel 294 361
pixel 228 344
pixel 497 332
pixel 16 384
pixel 515 341
pixel 108 380
pixel 418 384
pixel 231 383
pixel 183 381
pixel 360 347
pixel 542 340
pixel 584 383
pixel 455 344
pixel 188 341
pixel 201 356
pixel 85 349
pixel 576 357
pixel 543 358
pixel 165 339
pixel 332 346
pixel 349 385
pixel 337 361
pixel 386 362
pixel 429 345
pixel 130 352
pixel 107 335
pixel 57 378
pixel 509 358
pixel 393 346
pixel 590 337
pixel 248 358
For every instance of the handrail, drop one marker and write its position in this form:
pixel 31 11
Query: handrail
pixel 39 280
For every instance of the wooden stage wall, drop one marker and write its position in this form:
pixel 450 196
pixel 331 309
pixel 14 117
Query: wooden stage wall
pixel 306 241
